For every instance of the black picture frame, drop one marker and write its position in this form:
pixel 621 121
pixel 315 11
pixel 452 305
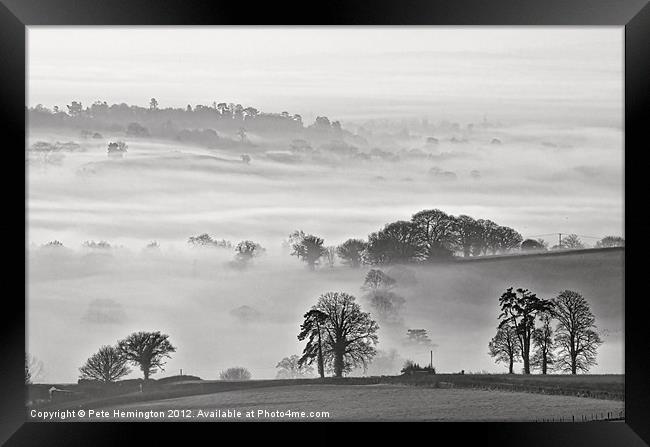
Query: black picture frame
pixel 634 15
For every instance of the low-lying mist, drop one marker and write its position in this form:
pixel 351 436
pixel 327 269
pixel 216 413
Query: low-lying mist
pixel 535 180
pixel 219 316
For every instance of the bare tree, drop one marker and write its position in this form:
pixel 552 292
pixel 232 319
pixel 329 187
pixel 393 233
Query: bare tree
pixel 106 365
pixel 350 335
pixel 504 346
pixel 576 334
pixel 235 373
pixel 544 357
pixel 291 368
pixel 146 350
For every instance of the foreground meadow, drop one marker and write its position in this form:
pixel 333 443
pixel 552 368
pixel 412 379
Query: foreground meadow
pixel 376 403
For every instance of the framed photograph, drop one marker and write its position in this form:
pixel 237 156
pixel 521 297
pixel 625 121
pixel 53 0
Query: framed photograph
pixel 397 212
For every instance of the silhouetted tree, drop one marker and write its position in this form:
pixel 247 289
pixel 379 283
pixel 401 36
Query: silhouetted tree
pixel 309 249
pixel 437 233
pixel 397 242
pixel 505 347
pixel 506 239
pixel 576 334
pixel 235 373
pixel 146 350
pixel 520 308
pixel 352 251
pixel 313 327
pixel 349 334
pixel 467 231
pixel 543 358
pixel 107 365
pixel 153 104
pixel 486 238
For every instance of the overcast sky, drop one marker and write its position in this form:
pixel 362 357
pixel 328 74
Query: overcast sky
pixel 535 73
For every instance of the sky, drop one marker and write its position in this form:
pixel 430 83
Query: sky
pixel 560 74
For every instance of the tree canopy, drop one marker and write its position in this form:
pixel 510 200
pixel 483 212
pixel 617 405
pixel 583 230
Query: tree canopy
pixel 520 309
pixel 106 365
pixel 576 334
pixel 349 335
pixel 147 350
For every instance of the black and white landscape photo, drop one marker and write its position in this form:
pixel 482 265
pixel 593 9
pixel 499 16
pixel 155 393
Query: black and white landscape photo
pixel 324 224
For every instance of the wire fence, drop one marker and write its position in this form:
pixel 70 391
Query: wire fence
pixel 589 417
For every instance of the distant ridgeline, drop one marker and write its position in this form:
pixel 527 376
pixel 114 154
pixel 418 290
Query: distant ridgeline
pixel 199 124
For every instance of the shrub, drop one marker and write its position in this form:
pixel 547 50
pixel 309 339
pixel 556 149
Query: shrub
pixel 410 367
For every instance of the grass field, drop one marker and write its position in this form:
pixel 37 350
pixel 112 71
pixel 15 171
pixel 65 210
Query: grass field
pixel 373 403
pixel 443 397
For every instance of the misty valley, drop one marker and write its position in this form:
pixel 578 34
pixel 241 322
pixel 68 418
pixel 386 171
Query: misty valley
pixel 186 221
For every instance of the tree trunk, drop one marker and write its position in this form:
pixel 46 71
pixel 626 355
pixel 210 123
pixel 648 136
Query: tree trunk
pixel 525 355
pixel 544 364
pixel 146 368
pixel 510 369
pixel 321 365
pixel 338 361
